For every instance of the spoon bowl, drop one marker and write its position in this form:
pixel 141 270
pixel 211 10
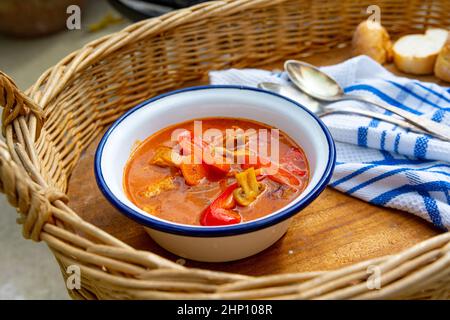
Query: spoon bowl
pixel 312 81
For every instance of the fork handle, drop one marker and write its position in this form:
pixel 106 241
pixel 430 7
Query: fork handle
pixel 376 115
pixel 436 129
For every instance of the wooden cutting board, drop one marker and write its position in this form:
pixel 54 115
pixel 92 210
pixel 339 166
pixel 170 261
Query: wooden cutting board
pixel 334 231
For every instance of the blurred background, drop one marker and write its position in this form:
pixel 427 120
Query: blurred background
pixel 33 37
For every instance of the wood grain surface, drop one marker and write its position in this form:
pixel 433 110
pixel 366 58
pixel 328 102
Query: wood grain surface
pixel 335 230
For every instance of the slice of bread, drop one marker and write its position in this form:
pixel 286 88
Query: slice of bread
pixel 417 53
pixel 439 35
pixel 442 66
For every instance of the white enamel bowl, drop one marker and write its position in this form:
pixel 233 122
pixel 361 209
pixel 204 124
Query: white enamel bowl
pixel 221 243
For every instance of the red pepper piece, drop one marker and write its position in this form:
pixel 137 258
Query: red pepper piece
pixel 285 177
pixel 190 145
pixel 294 161
pixel 217 170
pixel 219 213
pixel 282 176
pixel 192 173
pixel 220 217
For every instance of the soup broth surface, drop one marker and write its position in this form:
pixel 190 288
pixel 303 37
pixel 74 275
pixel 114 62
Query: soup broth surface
pixel 162 191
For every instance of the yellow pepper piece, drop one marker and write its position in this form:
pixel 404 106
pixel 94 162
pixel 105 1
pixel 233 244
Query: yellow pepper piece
pixel 240 197
pixel 163 157
pixel 249 187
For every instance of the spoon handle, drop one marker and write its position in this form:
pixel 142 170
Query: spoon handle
pixel 436 129
pixel 372 114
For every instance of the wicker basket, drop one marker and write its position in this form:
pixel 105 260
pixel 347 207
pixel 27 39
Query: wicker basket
pixel 70 104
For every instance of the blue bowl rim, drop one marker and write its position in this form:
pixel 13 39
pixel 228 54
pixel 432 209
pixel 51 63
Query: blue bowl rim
pixel 219 231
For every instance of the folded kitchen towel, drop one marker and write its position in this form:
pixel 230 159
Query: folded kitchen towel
pixel 378 161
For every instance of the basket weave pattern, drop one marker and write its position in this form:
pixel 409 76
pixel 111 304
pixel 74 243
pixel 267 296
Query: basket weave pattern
pixel 47 129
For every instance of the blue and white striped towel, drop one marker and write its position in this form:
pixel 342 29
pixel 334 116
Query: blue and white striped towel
pixel 377 161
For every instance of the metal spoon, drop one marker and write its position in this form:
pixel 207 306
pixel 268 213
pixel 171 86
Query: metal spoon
pixel 319 85
pixel 322 110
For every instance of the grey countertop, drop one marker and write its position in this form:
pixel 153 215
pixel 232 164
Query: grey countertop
pixel 27 269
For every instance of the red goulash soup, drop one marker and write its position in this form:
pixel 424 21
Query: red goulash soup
pixel 181 176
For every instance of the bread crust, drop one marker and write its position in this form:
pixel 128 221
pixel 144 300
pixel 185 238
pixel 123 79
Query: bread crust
pixel 372 39
pixel 442 66
pixel 415 65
